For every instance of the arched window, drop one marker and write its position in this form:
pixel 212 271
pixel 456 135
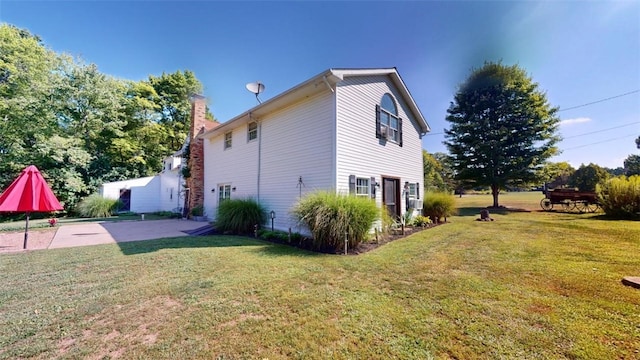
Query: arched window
pixel 388 124
pixel 388 104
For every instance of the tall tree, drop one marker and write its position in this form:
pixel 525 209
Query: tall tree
pixel 587 177
pixel 82 127
pixel 27 92
pixel 556 174
pixel 502 128
pixel 632 165
pixel 432 170
pixel 447 172
pixel 174 91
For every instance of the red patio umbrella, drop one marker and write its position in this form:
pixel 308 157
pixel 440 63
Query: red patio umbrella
pixel 29 193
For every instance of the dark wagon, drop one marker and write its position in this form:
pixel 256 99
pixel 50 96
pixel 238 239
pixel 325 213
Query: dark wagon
pixel 570 200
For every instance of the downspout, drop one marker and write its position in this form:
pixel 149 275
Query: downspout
pixel 334 138
pixel 259 156
pixel 324 78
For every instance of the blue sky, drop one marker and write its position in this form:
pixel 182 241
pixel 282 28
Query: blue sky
pixel 578 52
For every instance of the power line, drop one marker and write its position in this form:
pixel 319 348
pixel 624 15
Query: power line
pixel 601 100
pixel 602 130
pixel 599 142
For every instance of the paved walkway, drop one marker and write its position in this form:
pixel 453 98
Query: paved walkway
pixel 121 231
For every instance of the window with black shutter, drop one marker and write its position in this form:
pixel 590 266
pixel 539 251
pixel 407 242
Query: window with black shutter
pixel 388 124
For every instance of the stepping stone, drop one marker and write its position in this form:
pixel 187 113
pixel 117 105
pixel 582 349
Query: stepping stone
pixel 633 281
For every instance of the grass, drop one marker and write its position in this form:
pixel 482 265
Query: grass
pixel 531 285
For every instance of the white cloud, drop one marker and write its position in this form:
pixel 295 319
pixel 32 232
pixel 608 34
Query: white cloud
pixel 574 121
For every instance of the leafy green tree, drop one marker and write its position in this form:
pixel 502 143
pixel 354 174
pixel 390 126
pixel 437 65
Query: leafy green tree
pixel 615 171
pixel 93 107
pixel 502 128
pixel 556 175
pixel 63 161
pixel 81 127
pixel 587 177
pixel 173 92
pixel 27 93
pixel 632 165
pixel 447 172
pixel 638 142
pixel 432 173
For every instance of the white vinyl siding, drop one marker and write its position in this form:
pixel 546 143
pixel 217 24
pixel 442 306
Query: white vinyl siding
pixel 358 150
pixel 317 143
pixel 295 143
pixel 238 167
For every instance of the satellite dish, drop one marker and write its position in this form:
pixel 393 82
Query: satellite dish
pixel 256 88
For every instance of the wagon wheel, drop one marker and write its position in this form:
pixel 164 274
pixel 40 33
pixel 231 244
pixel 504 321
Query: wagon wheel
pixel 568 205
pixel 546 204
pixel 583 206
pixel 591 207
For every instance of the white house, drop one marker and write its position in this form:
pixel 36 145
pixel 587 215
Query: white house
pixel 352 131
pixel 163 192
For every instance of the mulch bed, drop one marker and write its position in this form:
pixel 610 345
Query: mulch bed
pixel 306 243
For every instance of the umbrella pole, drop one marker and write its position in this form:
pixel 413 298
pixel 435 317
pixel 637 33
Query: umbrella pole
pixel 26 232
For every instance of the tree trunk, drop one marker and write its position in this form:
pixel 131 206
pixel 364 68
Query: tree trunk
pixel 495 190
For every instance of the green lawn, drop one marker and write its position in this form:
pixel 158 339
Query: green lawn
pixel 530 285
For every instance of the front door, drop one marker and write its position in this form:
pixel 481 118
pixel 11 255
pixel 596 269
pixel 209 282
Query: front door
pixel 125 200
pixel 391 195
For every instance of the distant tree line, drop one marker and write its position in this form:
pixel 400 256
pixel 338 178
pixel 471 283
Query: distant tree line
pixel 81 127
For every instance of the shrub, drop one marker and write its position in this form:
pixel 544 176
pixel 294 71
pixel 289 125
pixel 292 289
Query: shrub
pixel 197 210
pixel 620 197
pixel 387 221
pixel 97 206
pixel 438 206
pixel 168 214
pixel 238 216
pixel 329 216
pixel 408 217
pixel 421 221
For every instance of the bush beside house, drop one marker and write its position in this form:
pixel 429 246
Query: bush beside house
pixel 439 206
pixel 330 217
pixel 97 206
pixel 239 216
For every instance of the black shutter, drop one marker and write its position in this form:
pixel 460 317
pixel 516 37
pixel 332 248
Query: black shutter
pixel 378 134
pixel 400 131
pixel 373 187
pixel 417 190
pixel 352 184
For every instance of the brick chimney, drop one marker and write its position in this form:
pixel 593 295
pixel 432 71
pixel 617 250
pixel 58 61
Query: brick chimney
pixel 196 151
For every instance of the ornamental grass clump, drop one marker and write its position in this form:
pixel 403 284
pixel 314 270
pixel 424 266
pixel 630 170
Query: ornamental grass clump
pixel 239 216
pixel 620 197
pixel 439 206
pixel 330 216
pixel 97 206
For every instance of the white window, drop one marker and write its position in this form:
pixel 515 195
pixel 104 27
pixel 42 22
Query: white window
pixel 252 131
pixel 413 193
pixel 362 187
pixel 390 123
pixel 227 140
pixel 224 192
